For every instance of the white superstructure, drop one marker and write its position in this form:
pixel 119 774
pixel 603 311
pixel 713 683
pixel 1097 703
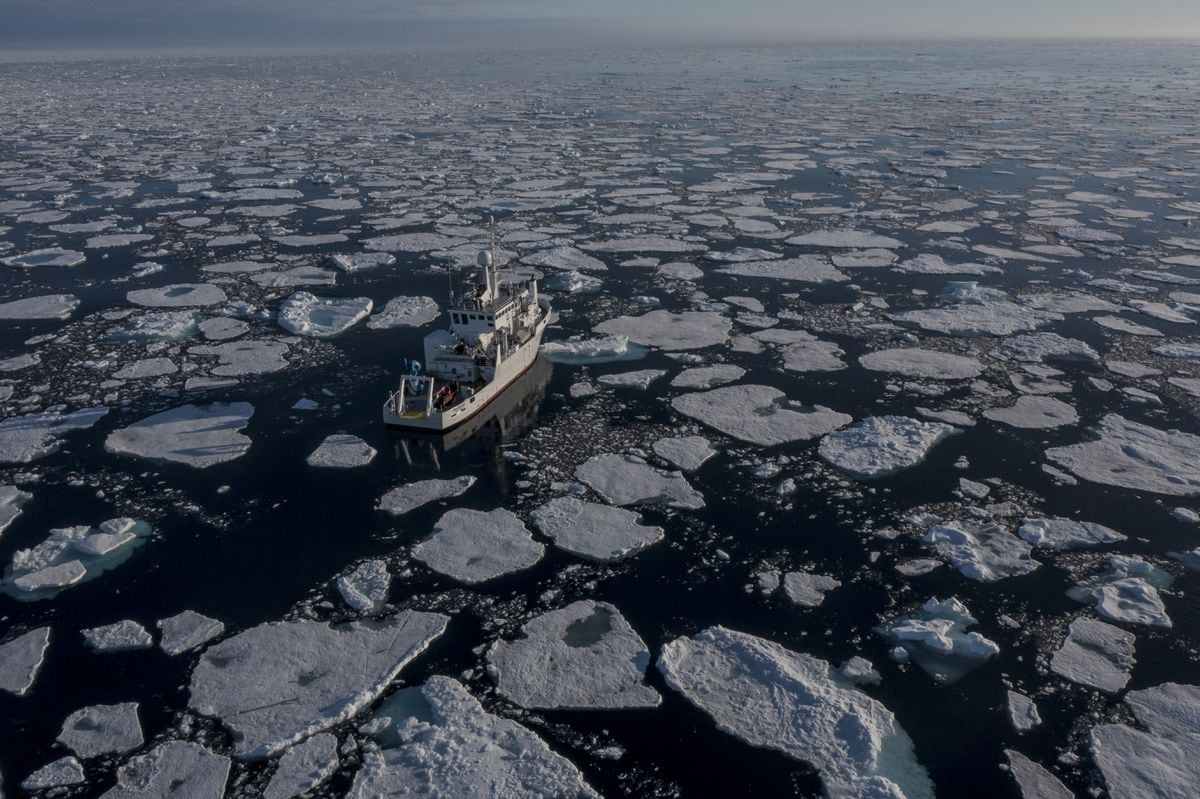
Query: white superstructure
pixel 493 339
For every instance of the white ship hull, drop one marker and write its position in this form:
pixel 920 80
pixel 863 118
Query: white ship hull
pixel 401 411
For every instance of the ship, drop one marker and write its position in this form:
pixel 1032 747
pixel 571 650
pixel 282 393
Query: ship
pixel 493 338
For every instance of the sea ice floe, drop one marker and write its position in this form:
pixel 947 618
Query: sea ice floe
pixel 1066 533
pixel 473 546
pixel 405 312
pixel 579 657
pixel 157 326
pixel 173 768
pixel 638 379
pixel 356 262
pixel 179 295
pixel 860 671
pixel 413 242
pixel 916 362
pixel 687 330
pixel 62 772
pixel 366 588
pixel 121 636
pixel 808 590
pixel 604 349
pixel 1034 413
pixel 627 479
pixel 47 256
pixel 1095 654
pixel 1127 592
pixel 879 446
pixel 982 551
pixel 803 268
pixel 994 318
pixel 566 258
pixel 759 414
pixel 72 555
pixel 342 451
pixel 1039 347
pixel 247 357
pixel 441 743
pixel 21 660
pixel 1133 455
pixel 594 531
pixel 769 696
pixel 933 264
pixel 845 239
pixel 864 259
pixel 687 453
pixel 146 367
pixel 188 630
pixel 936 638
pixel 276 684
pixel 322 317
pixel 102 730
pixel 1022 712
pixel 708 376
pixel 27 438
pixel 1163 760
pixel 199 436
pixel 410 496
pixel 648 243
pixel 12 499
pixel 1034 781
pixel 48 306
pixel 303 767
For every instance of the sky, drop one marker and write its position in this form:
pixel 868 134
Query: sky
pixel 159 23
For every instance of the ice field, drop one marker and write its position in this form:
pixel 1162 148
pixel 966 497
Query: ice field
pixel 863 459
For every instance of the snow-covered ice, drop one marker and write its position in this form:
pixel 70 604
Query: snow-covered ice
pixel 172 768
pixel 410 496
pixel 687 330
pixel 687 453
pixel 303 767
pixel 921 363
pixel 199 436
pixel 47 306
pixel 983 551
pixel 1129 454
pixel 879 446
pixel 1067 533
pixel 21 659
pixel 179 295
pixel 102 730
pixel 62 772
pixel 1034 780
pixel 759 414
pixel 994 318
pixel 322 317
pixel 1163 760
pixel 594 531
pixel 27 438
pixel 627 479
pixel 1095 654
pixel 936 637
pixel 188 630
pixel 405 312
pixel 1034 413
pixel 342 451
pixel 582 656
pixel 806 589
pixel 1022 712
pixel 366 588
pixel 473 546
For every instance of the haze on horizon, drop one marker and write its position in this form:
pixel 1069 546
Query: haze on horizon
pixel 159 23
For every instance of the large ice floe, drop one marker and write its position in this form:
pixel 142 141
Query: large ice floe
pixel 803 269
pixel 772 697
pixel 1161 761
pixel 102 730
pixel 180 295
pixel 879 446
pixel 36 435
pixel 937 640
pixel 405 312
pixel 1034 780
pixel 410 496
pixel 173 768
pixel 593 531
pixel 582 656
pixel 1127 592
pixel 194 435
pixel 303 767
pixel 687 453
pixel 276 684
pixel 1034 413
pixel 440 743
pixel 473 546
pixel 47 256
pixel 12 500
pixel 921 363
pixel 993 318
pixel 72 555
pixel 605 349
pixel 687 330
pixel 759 414
pixel 48 306
pixel 627 479
pixel 322 317
pixel 983 551
pixel 21 660
pixel 1129 454
pixel 1067 533
pixel 1095 654
pixel 342 451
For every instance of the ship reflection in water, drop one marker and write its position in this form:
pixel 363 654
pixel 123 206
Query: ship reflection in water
pixel 505 420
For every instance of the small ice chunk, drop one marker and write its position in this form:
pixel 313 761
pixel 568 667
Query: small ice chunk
pixel 304 767
pixel 366 588
pixel 597 532
pixel 769 696
pixel 1127 592
pixel 199 436
pixel 626 479
pixel 356 262
pixel 102 730
pixel 1133 455
pixel 582 656
pixel 985 552
pixel 405 312
pixel 759 414
pixel 879 446
pixel 808 590
pixel 860 671
pixel 121 636
pixel 322 317
pixel 1022 712
pixel 473 546
pixel 640 379
pixel 687 453
pixel 12 499
pixel 276 684
pixel 188 630
pixel 1066 533
pixel 147 367
pixel 605 349
pixel 410 496
pixel 1095 654
pixel 342 451
pixel 936 637
pixel 21 660
pixel 175 769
